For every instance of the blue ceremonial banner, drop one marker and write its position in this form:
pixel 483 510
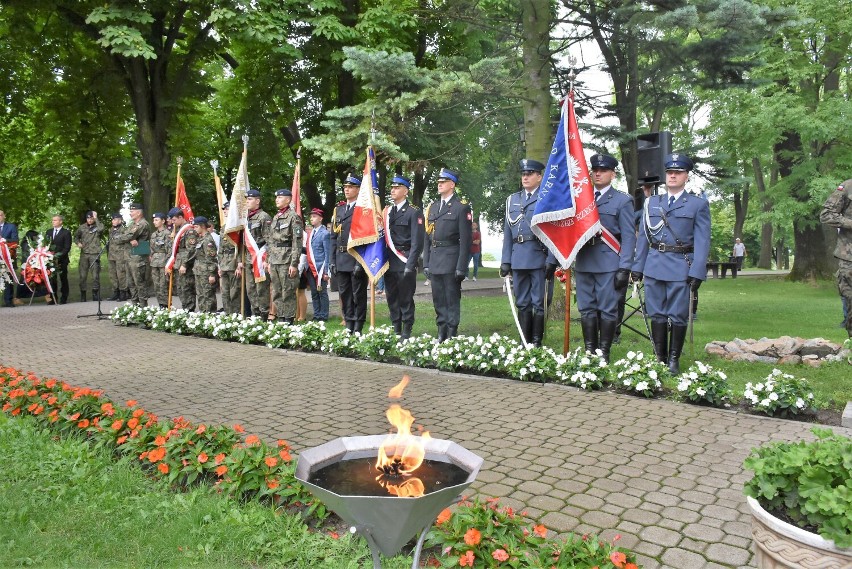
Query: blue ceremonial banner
pixel 366 235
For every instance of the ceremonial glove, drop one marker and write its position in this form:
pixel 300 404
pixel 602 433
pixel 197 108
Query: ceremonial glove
pixel 428 273
pixel 549 271
pixel 358 269
pixel 693 283
pixel 333 269
pixel 408 272
pixel 505 269
pixel 622 277
pixel 460 276
pixel 636 276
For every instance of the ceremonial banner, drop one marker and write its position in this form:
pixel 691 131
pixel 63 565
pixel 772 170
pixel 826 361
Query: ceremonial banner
pixel 182 201
pixel 237 219
pixel 7 249
pixel 366 237
pixel 296 202
pixel 170 264
pixel 565 215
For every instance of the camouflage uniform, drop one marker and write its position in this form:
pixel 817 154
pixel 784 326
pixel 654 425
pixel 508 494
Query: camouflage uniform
pixel 204 267
pixel 186 258
pixel 284 242
pixel 117 255
pixel 258 293
pixel 89 238
pixel 228 279
pixel 837 212
pixel 136 265
pixel 161 249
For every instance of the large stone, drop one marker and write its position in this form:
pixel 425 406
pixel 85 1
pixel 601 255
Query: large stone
pixel 819 347
pixel 764 347
pixel 790 359
pixel 715 349
pixel 744 357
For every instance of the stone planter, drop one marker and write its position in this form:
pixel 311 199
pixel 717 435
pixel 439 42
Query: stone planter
pixel 779 545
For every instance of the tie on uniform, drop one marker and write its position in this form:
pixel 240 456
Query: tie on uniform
pixel 443 205
pixel 393 213
pixel 597 195
pixel 671 201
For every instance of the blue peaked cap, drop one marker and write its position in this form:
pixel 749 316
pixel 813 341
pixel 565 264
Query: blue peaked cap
pixel 446 174
pixel 401 181
pixel 678 162
pixel 528 165
pixel 351 180
pixel 603 161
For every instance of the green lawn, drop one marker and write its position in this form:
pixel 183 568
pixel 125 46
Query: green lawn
pixel 67 504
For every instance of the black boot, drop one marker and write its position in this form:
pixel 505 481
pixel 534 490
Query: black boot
pixel 442 333
pixel 676 347
pixel 96 295
pixel 525 321
pixel 537 328
pixel 358 326
pixel 660 339
pixel 452 331
pixel 116 294
pixel 406 330
pixel 607 334
pixel 82 296
pixel 264 316
pixel 125 294
pixel 589 324
pixel 397 328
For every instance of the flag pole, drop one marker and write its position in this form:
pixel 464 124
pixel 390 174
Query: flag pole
pixel 172 272
pixel 241 253
pixel 566 340
pixel 296 190
pixel 217 187
pixel 375 282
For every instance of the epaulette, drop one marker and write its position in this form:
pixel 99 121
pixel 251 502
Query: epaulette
pixel 412 206
pixel 341 202
pixel 463 202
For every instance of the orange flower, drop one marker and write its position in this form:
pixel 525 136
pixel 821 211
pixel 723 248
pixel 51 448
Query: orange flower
pixel 220 471
pixel 157 454
pixel 131 403
pixel 282 443
pixel 138 412
pixel 219 458
pixel 334 535
pixel 285 455
pixel 16 412
pixel 252 440
pixel 38 410
pixel 117 424
pixel 133 423
pixel 467 559
pixel 51 401
pixel 159 441
pixel 540 530
pixel 200 430
pixel 74 417
pixel 472 536
pixel 163 467
pixel 272 484
pixel 120 440
pixel 270 461
pixel 202 458
pixel 617 558
pixel 83 424
pixel 32 393
pixel 239 428
pixel 445 515
pixel 631 566
pixel 500 555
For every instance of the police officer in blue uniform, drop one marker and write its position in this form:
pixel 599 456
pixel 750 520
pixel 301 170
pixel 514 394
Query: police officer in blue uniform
pixel 351 277
pixel 447 252
pixel 404 236
pixel 671 253
pixel 603 264
pixel 524 256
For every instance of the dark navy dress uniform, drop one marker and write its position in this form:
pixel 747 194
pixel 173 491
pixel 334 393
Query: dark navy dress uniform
pixel 671 253
pixel 351 278
pixel 527 256
pixel 406 230
pixel 446 256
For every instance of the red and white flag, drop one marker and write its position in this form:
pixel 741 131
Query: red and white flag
pixel 296 202
pixel 170 264
pixel 182 201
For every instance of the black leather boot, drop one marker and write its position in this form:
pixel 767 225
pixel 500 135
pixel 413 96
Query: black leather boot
pixel 125 295
pixel 590 324
pixel 442 333
pixel 452 331
pixel 406 330
pixel 358 326
pixel 537 328
pixel 82 296
pixel 397 328
pixel 116 294
pixel 660 339
pixel 676 347
pixel 608 328
pixel 525 321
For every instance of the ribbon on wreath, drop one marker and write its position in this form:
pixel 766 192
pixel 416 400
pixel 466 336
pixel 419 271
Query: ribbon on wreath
pixel 6 256
pixel 38 260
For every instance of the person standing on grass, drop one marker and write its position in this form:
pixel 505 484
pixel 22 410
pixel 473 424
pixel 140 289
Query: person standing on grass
pixel 837 212
pixel 739 253
pixel 671 255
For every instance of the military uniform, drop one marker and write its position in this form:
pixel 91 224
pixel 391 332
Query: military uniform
pixel 446 256
pixel 351 277
pixel 599 292
pixel 161 250
pixel 185 258
pixel 205 265
pixel 228 281
pixel 837 212
pixel 284 244
pixel 527 258
pixel 137 265
pixel 671 253
pixel 117 255
pixel 88 237
pixel 258 292
pixel 404 236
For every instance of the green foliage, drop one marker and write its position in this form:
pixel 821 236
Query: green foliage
pixel 807 481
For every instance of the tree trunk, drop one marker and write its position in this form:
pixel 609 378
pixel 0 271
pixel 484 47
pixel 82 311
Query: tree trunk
pixel 740 209
pixel 764 261
pixel 536 18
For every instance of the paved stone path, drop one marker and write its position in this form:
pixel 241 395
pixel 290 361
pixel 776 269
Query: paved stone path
pixel 666 477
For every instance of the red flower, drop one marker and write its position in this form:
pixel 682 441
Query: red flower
pixel 219 458
pixel 617 558
pixel 540 530
pixel 631 566
pixel 272 484
pixel 467 559
pixel 334 535
pixel 239 428
pixel 163 467
pixel 202 458
pixel 200 430
pixel 472 536
pixel 157 454
pixel 120 440
pixel 445 515
pixel 83 424
pixel 270 461
pixel 220 471
pixel 285 455
pixel 131 403
pixel 500 555
pixel 133 423
pixel 252 440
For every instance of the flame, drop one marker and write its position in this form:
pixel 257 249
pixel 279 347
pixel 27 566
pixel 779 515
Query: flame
pixel 396 390
pixel 401 453
pixel 411 488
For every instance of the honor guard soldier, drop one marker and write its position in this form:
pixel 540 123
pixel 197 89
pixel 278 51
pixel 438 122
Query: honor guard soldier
pixel 205 266
pixel 524 256
pixel 404 237
pixel 88 239
pixel 284 244
pixel 228 276
pixel 184 281
pixel 117 254
pixel 837 212
pixel 258 225
pixel 139 231
pixel 351 277
pixel 447 252
pixel 161 249
pixel 602 268
pixel 671 253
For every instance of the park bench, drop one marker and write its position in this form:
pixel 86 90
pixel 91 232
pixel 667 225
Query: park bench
pixel 724 265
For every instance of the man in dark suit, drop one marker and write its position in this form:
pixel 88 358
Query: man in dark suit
pixel 58 241
pixel 404 236
pixel 445 258
pixel 351 277
pixel 9 232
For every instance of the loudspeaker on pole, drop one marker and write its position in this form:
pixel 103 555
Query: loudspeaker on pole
pixel 652 149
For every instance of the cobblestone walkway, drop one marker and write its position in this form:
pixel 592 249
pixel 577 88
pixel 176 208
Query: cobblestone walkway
pixel 666 477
